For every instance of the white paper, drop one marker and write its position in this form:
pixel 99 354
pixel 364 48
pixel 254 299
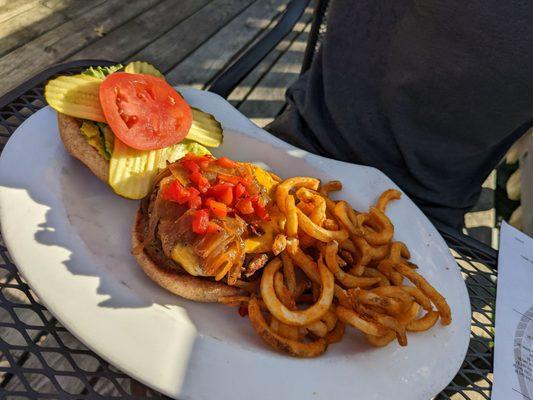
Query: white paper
pixel 513 350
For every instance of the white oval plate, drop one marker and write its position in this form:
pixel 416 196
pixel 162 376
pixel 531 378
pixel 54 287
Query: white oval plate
pixel 70 238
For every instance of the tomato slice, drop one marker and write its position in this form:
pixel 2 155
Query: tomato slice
pixel 143 111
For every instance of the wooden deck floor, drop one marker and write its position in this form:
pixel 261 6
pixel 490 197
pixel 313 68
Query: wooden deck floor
pixel 189 40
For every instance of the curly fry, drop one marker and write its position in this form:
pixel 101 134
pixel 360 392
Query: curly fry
pixel 282 292
pixel 331 186
pixel 386 197
pixel 382 229
pixel 290 332
pixel 291 226
pixel 409 315
pixel 318 328
pixel 342 297
pixel 297 317
pixel 388 322
pixel 288 272
pixel 341 212
pixel 303 261
pixel 356 320
pixel 292 347
pixel 387 304
pixel 318 232
pixel 395 292
pixel 307 208
pixel 330 225
pixel 318 213
pixel 283 189
pixel 337 333
pixel 420 297
pixel 420 282
pixel 381 341
pixel 374 273
pixel 325 189
pixel 343 277
pixel 424 323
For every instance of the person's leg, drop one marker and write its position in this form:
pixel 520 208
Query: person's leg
pixel 430 92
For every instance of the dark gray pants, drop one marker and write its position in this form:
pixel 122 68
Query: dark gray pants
pixel 431 92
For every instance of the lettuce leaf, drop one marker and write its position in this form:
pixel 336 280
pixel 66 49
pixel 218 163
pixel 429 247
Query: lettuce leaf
pixel 102 72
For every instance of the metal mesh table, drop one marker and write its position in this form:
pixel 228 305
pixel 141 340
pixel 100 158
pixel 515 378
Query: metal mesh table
pixel 40 359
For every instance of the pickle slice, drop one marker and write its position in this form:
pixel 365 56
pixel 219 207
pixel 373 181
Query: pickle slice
pixel 142 67
pixel 132 172
pixel 205 129
pixel 75 95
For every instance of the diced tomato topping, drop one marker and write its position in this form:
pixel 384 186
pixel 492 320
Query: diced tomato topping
pixel 229 178
pixel 190 166
pixel 260 211
pixel 200 181
pixel 196 157
pixel 243 311
pixel 195 201
pixel 216 208
pixel 201 161
pixel 225 162
pixel 222 192
pixel 213 227
pixel 245 206
pixel 200 221
pixel 238 191
pixel 204 164
pixel 174 191
pixel 193 192
pixel 246 181
pixel 228 195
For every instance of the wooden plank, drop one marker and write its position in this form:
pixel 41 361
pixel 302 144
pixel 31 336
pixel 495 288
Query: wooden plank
pixel 10 8
pixel 61 42
pixel 206 61
pixel 241 92
pixel 119 44
pixel 71 8
pixel 267 97
pixel 26 26
pixel 39 19
pixel 177 43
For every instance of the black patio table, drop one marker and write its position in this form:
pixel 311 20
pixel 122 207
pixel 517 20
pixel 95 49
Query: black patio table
pixel 23 340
